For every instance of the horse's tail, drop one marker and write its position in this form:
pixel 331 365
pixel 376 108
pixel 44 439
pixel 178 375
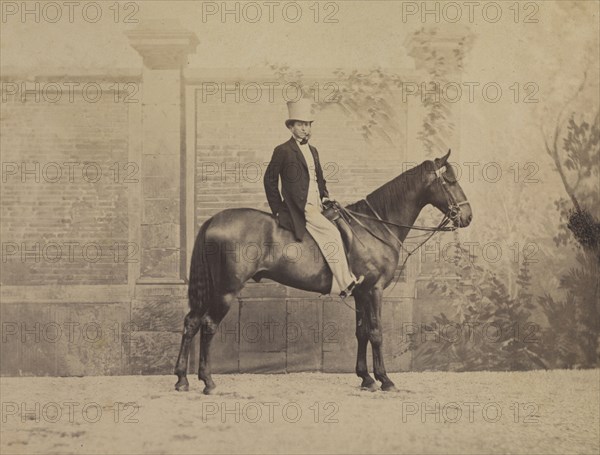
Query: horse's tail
pixel 202 284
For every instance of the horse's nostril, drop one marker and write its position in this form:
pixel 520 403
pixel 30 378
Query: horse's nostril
pixel 469 218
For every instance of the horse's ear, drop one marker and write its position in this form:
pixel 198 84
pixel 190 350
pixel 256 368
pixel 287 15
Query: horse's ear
pixel 439 162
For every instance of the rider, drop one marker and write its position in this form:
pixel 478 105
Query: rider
pixel 303 189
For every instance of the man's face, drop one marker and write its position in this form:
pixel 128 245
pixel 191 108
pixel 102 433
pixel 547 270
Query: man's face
pixel 301 130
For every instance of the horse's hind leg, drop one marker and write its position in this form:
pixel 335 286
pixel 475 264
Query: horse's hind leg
pixel 210 324
pixel 191 325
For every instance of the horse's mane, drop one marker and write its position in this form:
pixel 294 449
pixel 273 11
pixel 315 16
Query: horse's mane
pixel 387 197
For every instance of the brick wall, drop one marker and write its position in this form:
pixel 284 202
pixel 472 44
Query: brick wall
pixel 67 180
pixel 64 223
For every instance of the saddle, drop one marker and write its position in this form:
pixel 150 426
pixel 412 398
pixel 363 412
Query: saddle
pixel 334 212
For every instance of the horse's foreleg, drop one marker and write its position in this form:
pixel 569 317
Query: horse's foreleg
pixel 376 339
pixel 362 336
pixel 210 324
pixel 190 328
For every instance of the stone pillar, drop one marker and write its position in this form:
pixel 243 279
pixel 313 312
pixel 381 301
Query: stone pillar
pixel 164 47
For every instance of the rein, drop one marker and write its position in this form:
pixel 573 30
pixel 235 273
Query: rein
pixel 453 213
pixel 385 222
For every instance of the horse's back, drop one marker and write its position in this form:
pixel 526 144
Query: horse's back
pixel 241 224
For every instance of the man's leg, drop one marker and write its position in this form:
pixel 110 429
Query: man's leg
pixel 330 242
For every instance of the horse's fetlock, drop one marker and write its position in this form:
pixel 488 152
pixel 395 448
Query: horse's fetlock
pixel 361 370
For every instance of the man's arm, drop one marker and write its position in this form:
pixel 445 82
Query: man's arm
pixel 320 179
pixel 271 182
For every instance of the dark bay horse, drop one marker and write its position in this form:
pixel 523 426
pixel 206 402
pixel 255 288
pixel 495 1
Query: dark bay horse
pixel 236 245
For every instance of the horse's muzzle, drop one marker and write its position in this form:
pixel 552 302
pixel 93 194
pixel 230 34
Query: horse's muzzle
pixel 464 216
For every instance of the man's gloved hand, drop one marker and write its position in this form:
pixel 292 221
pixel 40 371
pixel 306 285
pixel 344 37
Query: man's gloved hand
pixel 328 199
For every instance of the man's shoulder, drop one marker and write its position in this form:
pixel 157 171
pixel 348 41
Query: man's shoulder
pixel 285 146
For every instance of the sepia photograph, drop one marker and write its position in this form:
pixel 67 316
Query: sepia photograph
pixel 300 227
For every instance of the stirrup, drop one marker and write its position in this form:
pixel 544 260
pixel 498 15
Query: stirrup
pixel 350 289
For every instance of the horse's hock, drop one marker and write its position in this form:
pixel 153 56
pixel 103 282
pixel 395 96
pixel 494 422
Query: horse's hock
pixel 175 145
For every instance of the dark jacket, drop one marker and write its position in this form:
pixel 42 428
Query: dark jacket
pixel 288 163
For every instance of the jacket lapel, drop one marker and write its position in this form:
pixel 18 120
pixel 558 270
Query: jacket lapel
pixel 313 152
pixel 299 153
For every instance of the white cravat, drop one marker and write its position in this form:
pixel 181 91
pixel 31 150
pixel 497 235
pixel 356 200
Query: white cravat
pixel 313 196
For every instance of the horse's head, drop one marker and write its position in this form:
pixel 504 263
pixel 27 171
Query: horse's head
pixel 444 192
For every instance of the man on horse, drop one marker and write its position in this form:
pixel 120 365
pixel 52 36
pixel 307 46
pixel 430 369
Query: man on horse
pixel 303 188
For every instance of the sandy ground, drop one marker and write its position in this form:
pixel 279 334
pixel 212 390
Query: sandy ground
pixel 532 412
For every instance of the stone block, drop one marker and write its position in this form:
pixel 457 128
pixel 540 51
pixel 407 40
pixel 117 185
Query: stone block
pixel 160 314
pixel 158 211
pixel 160 166
pixel 164 235
pixel 74 339
pixel 262 336
pixel 304 335
pixel 162 117
pixel 160 263
pixel 154 352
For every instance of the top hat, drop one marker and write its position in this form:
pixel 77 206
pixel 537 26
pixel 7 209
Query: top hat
pixel 299 111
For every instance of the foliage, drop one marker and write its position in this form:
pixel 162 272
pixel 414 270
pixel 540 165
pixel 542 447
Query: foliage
pixel 575 321
pixel 365 95
pixel 372 95
pixel 496 332
pixel 579 164
pixel 572 337
pixel 437 123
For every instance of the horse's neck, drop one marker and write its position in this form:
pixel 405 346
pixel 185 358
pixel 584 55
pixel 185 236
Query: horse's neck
pixel 405 212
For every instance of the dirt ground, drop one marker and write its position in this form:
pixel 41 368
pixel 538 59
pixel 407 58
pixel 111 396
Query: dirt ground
pixel 532 412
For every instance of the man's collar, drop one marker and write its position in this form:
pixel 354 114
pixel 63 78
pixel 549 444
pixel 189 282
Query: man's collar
pixel 299 141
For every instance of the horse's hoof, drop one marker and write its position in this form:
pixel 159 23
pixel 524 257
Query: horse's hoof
pixel 389 387
pixel 208 390
pixel 182 386
pixel 372 387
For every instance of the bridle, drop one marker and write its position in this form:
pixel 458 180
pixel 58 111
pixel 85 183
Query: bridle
pixel 453 205
pixel 453 214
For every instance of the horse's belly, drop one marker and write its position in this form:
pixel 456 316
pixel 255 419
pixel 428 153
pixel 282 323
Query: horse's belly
pixel 298 264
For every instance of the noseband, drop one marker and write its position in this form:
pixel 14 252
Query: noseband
pixel 453 206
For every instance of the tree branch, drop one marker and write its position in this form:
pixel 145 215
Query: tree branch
pixel 553 151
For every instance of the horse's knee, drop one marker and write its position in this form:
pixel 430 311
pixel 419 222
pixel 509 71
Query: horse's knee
pixel 376 338
pixel 209 326
pixel 191 324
